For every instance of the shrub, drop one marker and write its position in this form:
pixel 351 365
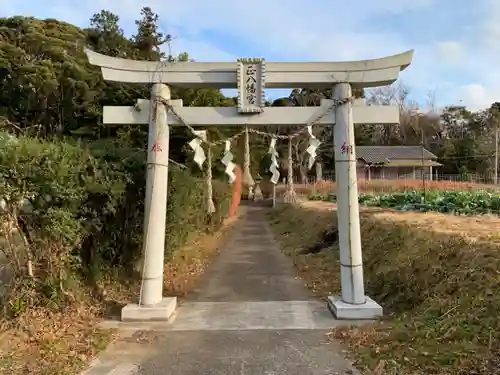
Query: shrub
pixel 72 212
pixel 53 194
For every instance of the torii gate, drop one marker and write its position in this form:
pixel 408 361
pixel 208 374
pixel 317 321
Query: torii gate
pixel 251 77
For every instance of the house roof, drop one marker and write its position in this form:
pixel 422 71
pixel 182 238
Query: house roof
pixel 387 154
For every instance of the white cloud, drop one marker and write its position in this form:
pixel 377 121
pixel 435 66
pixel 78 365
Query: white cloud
pixel 462 66
pixel 321 29
pixel 477 96
pixel 452 51
pixel 479 59
pixel 200 50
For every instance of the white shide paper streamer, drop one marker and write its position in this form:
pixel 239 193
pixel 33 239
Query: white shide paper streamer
pixel 274 162
pixel 313 146
pixel 227 161
pixel 199 154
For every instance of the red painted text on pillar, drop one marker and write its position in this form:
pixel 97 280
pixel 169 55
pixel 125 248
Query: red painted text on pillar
pixel 156 147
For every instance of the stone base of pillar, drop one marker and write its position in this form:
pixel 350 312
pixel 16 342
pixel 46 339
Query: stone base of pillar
pixel 250 193
pixel 160 312
pixel 290 196
pixel 346 311
pixel 257 196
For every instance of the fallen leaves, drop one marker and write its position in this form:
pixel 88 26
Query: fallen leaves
pixel 52 343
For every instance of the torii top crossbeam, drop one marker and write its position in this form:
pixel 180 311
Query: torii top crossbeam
pixel 252 76
pixel 363 73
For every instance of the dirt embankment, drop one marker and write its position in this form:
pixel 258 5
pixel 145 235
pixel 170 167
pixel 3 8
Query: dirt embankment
pixel 437 277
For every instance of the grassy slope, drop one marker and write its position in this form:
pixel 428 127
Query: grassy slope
pixel 64 343
pixel 439 285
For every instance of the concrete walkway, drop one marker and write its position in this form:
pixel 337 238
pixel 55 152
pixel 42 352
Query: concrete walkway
pixel 248 315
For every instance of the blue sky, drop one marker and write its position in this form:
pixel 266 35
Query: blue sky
pixel 456 42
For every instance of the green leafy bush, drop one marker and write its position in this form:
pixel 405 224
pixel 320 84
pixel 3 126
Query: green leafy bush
pixel 49 193
pixel 71 212
pixel 185 206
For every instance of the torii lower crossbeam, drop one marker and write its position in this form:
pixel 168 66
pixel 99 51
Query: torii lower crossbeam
pixel 229 116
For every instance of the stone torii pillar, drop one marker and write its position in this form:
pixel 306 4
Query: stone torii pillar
pixel 353 304
pixel 155 203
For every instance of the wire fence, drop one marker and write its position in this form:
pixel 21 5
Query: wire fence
pixel 306 187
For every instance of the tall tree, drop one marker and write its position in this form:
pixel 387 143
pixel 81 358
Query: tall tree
pixel 149 38
pixel 48 89
pixel 105 35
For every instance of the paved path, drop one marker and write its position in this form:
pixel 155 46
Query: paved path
pixel 248 315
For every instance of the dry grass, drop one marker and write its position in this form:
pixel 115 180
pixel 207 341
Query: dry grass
pixel 435 275
pixel 475 228
pixel 316 271
pixel 52 343
pixel 389 186
pixel 188 264
pixel 63 343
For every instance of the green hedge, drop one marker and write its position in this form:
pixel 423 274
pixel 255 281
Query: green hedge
pixel 75 211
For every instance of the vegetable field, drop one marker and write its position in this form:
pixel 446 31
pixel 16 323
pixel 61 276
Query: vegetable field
pixel 389 186
pixel 455 202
